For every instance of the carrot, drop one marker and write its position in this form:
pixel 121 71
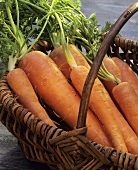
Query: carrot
pixel 127 99
pixel 128 74
pixel 112 67
pixel 20 84
pixel 99 104
pixel 51 85
pixel 130 137
pixel 59 58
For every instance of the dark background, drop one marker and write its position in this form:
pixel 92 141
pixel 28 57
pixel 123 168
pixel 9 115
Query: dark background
pixel 11 157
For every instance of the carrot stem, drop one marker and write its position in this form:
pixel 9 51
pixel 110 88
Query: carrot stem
pixel 68 55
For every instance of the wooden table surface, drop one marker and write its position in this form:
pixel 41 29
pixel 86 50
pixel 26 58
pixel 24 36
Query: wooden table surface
pixel 11 157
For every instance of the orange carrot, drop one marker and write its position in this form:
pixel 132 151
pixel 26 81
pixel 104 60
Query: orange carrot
pixel 20 84
pixel 51 85
pixel 112 67
pixel 127 99
pixel 59 58
pixel 99 104
pixel 130 137
pixel 128 74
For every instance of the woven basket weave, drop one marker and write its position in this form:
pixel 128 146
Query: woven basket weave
pixel 62 148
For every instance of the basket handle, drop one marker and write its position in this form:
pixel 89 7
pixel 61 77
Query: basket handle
pixel 126 15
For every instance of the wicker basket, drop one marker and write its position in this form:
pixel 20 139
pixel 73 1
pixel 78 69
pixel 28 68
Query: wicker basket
pixel 62 148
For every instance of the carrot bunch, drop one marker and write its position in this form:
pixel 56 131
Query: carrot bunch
pixel 106 124
pixel 52 86
pixel 103 101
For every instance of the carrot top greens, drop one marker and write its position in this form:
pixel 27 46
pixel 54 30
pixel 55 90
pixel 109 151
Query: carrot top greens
pixel 59 22
pixel 14 40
